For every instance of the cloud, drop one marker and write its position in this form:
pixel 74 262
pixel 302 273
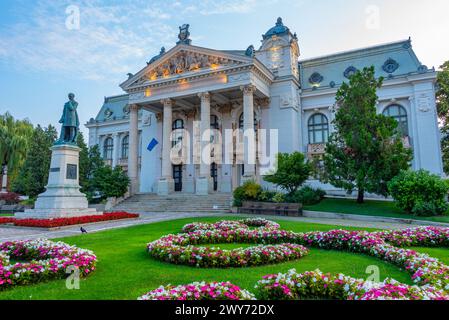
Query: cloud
pixel 113 37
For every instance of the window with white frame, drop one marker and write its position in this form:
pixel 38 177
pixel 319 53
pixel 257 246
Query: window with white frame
pixel 318 127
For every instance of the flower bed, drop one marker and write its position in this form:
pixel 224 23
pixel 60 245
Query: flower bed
pixel 226 225
pixel 199 291
pixel 421 236
pixel 317 285
pixel 429 274
pixel 43 260
pixel 5 220
pixel 61 222
pixel 179 249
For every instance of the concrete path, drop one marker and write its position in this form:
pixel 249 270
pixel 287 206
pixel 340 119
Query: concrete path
pixel 16 233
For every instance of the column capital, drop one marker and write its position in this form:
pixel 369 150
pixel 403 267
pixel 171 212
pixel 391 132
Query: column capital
pixel 167 102
pixel 133 107
pixel 204 96
pixel 248 89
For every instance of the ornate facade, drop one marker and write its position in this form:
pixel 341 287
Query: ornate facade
pixel 187 90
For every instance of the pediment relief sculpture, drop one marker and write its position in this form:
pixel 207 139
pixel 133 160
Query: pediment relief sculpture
pixel 187 62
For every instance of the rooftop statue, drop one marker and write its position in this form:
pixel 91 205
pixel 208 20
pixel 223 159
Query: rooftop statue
pixel 70 122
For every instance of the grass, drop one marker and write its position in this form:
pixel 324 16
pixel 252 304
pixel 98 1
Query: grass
pixel 126 271
pixel 369 208
pixel 6 214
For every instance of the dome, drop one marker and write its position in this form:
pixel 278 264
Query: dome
pixel 279 28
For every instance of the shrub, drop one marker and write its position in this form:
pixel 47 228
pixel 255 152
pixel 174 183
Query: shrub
pixel 307 196
pixel 420 193
pixel 266 196
pixel 292 171
pixel 279 197
pixel 110 182
pixel 10 198
pixel 250 190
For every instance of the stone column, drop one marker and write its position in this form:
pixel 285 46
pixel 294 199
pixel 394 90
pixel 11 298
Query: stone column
pixel 116 151
pixel 203 181
pixel 166 184
pixel 249 132
pixel 133 148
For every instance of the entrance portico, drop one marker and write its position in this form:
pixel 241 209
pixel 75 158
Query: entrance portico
pixel 219 86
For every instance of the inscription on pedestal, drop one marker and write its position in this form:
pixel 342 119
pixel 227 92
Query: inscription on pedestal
pixel 72 171
pixel 55 169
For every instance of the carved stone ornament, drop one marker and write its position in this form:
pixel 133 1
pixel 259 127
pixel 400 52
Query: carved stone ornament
pixel 390 66
pixel 315 78
pixel 108 113
pixel 184 35
pixel 350 71
pixel 126 110
pixel 187 62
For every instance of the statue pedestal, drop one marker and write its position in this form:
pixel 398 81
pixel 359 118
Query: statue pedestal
pixel 63 198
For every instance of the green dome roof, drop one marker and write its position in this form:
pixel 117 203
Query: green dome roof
pixel 279 28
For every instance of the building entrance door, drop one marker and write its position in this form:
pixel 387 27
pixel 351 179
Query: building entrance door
pixel 177 176
pixel 214 175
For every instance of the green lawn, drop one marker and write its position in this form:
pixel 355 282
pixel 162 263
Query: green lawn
pixel 369 208
pixel 6 214
pixel 126 271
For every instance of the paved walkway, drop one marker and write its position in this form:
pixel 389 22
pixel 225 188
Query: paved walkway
pixel 148 217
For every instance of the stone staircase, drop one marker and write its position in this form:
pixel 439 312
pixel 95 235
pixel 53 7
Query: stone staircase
pixel 177 202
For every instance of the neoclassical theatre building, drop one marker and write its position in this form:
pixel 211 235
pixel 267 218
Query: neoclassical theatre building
pixel 183 91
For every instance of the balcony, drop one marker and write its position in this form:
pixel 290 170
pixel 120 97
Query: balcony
pixel 316 148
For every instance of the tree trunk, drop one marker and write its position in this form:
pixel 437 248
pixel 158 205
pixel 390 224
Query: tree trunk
pixel 360 195
pixel 4 179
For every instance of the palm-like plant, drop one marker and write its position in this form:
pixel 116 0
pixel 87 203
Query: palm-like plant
pixel 15 137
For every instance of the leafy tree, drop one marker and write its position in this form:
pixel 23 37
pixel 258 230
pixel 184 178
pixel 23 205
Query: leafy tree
pixel 33 175
pixel 365 152
pixel 83 160
pixel 110 182
pixel 292 171
pixel 14 141
pixel 442 97
pixel 94 162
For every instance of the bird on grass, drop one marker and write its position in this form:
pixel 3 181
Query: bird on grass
pixel 83 230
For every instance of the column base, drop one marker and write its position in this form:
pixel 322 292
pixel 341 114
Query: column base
pixel 134 186
pixel 165 186
pixel 203 186
pixel 188 186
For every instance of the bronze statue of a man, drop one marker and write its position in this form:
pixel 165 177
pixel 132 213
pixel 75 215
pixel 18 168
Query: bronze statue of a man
pixel 70 121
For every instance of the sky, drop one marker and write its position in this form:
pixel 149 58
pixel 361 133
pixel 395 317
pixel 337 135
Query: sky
pixel 49 48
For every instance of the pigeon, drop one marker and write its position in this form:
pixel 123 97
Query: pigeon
pixel 83 230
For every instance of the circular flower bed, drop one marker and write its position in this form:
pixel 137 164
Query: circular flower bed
pixel 41 260
pixel 317 285
pixel 226 225
pixel 429 274
pixel 199 291
pixel 180 249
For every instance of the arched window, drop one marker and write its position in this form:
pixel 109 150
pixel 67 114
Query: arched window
pixel 241 124
pixel 108 148
pixel 125 147
pixel 318 128
pixel 399 114
pixel 177 127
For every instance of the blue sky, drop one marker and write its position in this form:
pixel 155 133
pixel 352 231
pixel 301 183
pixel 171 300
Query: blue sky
pixel 41 60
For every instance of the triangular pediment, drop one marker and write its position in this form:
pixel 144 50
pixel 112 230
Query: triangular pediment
pixel 185 60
